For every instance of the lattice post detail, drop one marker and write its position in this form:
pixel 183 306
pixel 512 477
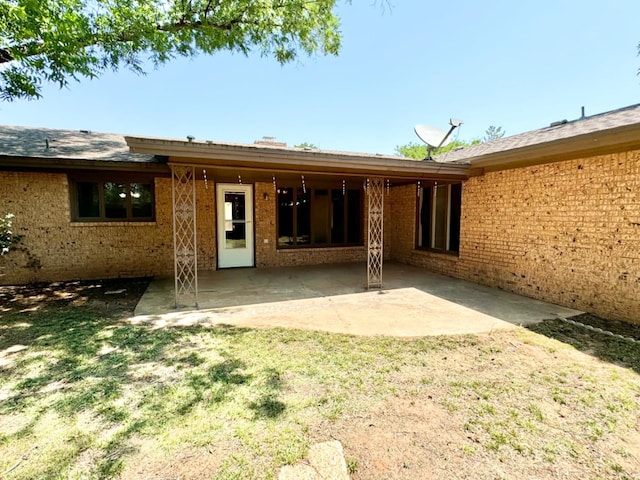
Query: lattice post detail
pixel 375 251
pixel 185 242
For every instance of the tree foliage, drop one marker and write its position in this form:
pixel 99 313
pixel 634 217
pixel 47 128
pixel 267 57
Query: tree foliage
pixel 493 133
pixel 306 145
pixel 58 40
pixel 8 239
pixel 418 151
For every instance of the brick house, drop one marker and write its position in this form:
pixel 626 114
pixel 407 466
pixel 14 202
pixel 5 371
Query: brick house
pixel 552 214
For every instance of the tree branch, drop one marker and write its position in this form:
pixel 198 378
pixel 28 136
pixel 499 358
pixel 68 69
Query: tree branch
pixel 5 56
pixel 32 49
pixel 25 50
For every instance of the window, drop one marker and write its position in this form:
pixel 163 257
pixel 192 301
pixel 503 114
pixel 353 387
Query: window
pixel 439 217
pixel 319 217
pixel 112 201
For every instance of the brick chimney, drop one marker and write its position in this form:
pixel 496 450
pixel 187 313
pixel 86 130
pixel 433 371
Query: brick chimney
pixel 270 142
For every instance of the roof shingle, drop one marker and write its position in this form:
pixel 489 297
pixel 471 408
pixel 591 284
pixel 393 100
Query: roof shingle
pixel 33 142
pixel 582 126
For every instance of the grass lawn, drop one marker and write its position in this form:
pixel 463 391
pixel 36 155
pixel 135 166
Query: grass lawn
pixel 85 394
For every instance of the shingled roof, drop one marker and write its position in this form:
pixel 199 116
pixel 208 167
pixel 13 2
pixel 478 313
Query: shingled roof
pixel 30 142
pixel 595 124
pixel 52 148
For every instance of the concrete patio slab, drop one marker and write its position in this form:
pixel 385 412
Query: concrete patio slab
pixel 332 298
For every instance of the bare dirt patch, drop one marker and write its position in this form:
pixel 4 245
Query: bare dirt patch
pixel 116 297
pixel 194 463
pixel 514 406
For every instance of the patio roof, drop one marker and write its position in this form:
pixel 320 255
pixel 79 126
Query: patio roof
pixel 229 158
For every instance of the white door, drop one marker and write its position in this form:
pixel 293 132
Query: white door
pixel 235 225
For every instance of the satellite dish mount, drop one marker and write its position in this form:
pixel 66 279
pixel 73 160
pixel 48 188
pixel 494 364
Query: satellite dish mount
pixel 436 138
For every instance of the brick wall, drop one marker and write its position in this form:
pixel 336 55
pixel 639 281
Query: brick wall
pixel 205 223
pixel 65 250
pixel 566 232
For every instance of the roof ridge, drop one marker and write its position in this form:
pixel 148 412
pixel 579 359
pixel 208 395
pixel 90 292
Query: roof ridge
pixel 615 110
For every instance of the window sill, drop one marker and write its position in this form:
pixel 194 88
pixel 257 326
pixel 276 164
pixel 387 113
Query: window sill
pixel 112 224
pixel 451 256
pixel 314 248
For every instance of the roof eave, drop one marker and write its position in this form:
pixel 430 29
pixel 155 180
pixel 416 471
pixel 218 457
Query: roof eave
pixel 57 164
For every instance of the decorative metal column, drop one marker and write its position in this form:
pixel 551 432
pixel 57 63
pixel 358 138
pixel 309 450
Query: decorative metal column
pixel 375 251
pixel 185 242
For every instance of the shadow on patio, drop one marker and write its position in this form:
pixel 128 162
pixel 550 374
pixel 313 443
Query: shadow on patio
pixel 333 298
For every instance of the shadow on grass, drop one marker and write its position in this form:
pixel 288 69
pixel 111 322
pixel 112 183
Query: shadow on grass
pixel 129 378
pixel 268 406
pixel 604 347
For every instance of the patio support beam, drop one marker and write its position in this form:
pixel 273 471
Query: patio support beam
pixel 375 231
pixel 185 241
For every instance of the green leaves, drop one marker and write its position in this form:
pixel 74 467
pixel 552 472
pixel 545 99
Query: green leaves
pixel 306 145
pixel 8 239
pixel 418 151
pixel 57 40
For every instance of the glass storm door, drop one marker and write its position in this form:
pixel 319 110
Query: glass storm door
pixel 235 225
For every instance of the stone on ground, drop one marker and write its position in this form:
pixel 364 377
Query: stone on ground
pixel 298 472
pixel 326 462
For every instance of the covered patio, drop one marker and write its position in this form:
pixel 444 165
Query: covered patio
pixel 276 206
pixel 334 298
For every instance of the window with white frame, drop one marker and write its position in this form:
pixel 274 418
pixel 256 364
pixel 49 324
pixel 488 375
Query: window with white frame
pixel 439 217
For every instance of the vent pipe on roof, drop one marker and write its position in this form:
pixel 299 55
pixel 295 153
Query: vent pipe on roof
pixel 582 112
pixel 559 122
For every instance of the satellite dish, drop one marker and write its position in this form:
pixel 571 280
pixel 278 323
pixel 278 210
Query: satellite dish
pixel 434 137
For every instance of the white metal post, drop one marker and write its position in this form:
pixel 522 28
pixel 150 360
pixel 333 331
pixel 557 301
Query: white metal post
pixel 183 186
pixel 375 233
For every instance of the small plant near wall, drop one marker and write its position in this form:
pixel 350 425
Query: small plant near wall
pixel 12 242
pixel 8 239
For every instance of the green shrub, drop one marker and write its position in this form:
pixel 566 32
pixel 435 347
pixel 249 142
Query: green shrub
pixel 7 238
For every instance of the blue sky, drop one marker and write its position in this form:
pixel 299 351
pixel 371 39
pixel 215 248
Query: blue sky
pixel 518 65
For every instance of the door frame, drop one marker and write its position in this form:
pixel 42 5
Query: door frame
pixel 221 188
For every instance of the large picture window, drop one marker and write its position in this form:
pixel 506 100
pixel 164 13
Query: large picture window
pixel 319 217
pixel 439 217
pixel 112 201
